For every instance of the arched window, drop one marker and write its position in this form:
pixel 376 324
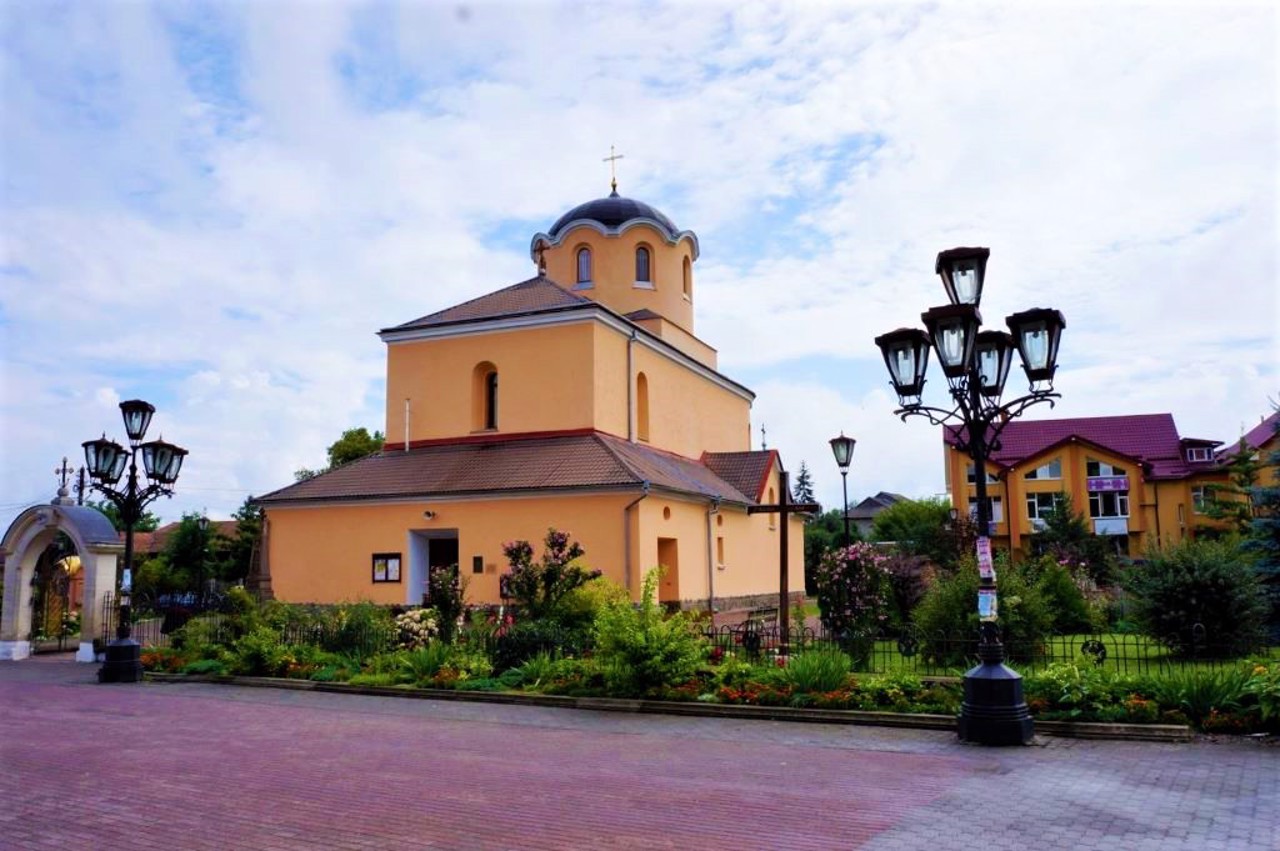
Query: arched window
pixel 484 397
pixel 643 274
pixel 642 407
pixel 688 278
pixel 584 265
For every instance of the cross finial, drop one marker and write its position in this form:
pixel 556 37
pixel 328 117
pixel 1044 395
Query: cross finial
pixel 612 160
pixel 63 473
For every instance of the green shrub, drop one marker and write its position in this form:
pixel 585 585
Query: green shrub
pixel 947 617
pixel 640 650
pixel 538 588
pixel 1196 692
pixel 520 642
pixel 1068 607
pixel 259 653
pixel 421 665
pixel 201 636
pixel 1198 582
pixel 1263 689
pixel 537 670
pixel 446 589
pixel 382 680
pixel 215 667
pixel 818 670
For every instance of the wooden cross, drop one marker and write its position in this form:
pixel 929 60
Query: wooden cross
pixel 784 508
pixel 612 160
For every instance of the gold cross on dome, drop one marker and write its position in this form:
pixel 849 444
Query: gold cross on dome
pixel 612 160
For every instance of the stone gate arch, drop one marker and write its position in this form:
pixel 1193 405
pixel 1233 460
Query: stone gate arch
pixel 31 531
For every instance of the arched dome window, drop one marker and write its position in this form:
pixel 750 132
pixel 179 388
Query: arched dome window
pixel 688 278
pixel 644 274
pixel 584 265
pixel 484 397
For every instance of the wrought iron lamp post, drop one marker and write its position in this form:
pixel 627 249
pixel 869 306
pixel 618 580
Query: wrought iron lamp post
pixel 204 552
pixel 842 448
pixel 976 365
pixel 106 461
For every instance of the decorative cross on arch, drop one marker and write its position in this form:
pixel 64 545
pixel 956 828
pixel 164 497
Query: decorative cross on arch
pixel 612 160
pixel 784 508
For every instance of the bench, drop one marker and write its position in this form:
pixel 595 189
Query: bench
pixel 761 618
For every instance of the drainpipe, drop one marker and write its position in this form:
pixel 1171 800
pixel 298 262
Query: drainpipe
pixel 631 390
pixel 713 508
pixel 626 535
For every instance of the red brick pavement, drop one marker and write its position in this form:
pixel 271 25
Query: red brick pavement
pixel 195 767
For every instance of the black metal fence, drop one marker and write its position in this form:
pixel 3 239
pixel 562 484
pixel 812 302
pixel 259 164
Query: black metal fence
pixel 154 620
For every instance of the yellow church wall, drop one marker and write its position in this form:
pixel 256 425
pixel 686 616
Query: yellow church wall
pixel 437 376
pixel 689 414
pixel 609 397
pixel 613 269
pixel 324 554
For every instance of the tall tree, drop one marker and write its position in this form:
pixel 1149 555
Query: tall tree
pixel 1233 502
pixel 1263 542
pixel 354 444
pixel 148 522
pixel 240 549
pixel 919 527
pixel 804 489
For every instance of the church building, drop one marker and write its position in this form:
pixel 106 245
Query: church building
pixel 579 399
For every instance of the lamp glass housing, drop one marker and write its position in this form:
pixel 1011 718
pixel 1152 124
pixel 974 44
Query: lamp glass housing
pixel 104 459
pixel 963 272
pixel 1037 334
pixel 993 354
pixel 954 330
pixel 842 448
pixel 137 417
pixel 162 461
pixel 906 356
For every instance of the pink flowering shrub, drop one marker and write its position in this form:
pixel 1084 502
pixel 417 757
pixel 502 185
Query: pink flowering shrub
pixel 853 593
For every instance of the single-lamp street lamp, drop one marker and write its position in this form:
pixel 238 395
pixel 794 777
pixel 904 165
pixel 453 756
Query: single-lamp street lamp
pixel 976 365
pixel 106 461
pixel 842 448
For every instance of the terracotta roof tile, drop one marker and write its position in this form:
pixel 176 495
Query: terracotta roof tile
pixel 746 471
pixel 536 295
pixel 507 465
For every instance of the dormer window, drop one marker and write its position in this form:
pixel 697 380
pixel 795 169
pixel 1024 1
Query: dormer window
pixel 644 275
pixel 584 268
pixel 1199 453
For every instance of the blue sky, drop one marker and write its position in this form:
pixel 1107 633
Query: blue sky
pixel 216 206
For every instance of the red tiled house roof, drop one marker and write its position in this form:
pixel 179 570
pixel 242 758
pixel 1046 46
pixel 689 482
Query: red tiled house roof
pixel 1150 439
pixel 746 471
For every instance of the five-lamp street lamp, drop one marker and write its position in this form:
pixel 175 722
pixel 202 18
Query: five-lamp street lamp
pixel 842 448
pixel 976 364
pixel 106 461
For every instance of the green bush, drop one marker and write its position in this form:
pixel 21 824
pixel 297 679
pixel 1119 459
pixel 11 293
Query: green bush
pixel 1198 693
pixel 259 653
pixel 817 670
pixel 640 650
pixel 206 666
pixel 947 617
pixel 1068 607
pixel 1210 583
pixel 421 665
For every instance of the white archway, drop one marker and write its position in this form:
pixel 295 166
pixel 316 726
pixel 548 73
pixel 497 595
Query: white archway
pixel 30 533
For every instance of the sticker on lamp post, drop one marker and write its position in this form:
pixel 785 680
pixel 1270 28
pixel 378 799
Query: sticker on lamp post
pixel 986 567
pixel 987 604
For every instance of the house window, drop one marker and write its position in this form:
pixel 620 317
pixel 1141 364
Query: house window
pixel 1094 468
pixel 584 266
pixel 971 479
pixel 1109 504
pixel 642 407
pixel 1040 505
pixel 484 397
pixel 386 567
pixel 688 278
pixel 1199 453
pixel 1199 498
pixel 643 273
pixel 1052 470
pixel 994 503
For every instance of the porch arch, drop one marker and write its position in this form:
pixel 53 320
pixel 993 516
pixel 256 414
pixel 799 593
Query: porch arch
pixel 99 547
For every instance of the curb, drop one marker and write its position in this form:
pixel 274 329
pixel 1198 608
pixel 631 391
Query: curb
pixel 852 717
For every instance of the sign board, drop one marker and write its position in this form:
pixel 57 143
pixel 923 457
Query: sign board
pixel 986 568
pixel 987 604
pixel 1098 484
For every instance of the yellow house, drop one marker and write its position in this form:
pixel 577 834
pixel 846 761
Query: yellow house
pixel 1133 477
pixel 579 399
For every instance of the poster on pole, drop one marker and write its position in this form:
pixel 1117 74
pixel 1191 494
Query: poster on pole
pixel 987 605
pixel 986 567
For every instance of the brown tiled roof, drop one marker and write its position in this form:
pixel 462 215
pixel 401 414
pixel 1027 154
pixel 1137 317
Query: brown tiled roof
pixel 746 471
pixel 510 465
pixel 536 295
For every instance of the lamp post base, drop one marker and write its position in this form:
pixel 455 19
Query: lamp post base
pixel 994 711
pixel 123 663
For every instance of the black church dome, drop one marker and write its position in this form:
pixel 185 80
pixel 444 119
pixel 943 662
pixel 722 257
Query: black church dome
pixel 613 212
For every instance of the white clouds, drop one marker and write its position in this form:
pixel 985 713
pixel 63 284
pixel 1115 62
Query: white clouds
pixel 219 219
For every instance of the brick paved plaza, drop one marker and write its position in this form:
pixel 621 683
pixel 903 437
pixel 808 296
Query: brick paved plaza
pixel 194 766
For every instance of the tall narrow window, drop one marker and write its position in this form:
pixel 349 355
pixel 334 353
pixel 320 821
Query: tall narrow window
pixel 584 265
pixel 642 266
pixel 688 278
pixel 484 397
pixel 642 407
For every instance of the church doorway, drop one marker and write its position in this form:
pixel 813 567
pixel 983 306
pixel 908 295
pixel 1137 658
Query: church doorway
pixel 56 597
pixel 669 560
pixel 428 548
